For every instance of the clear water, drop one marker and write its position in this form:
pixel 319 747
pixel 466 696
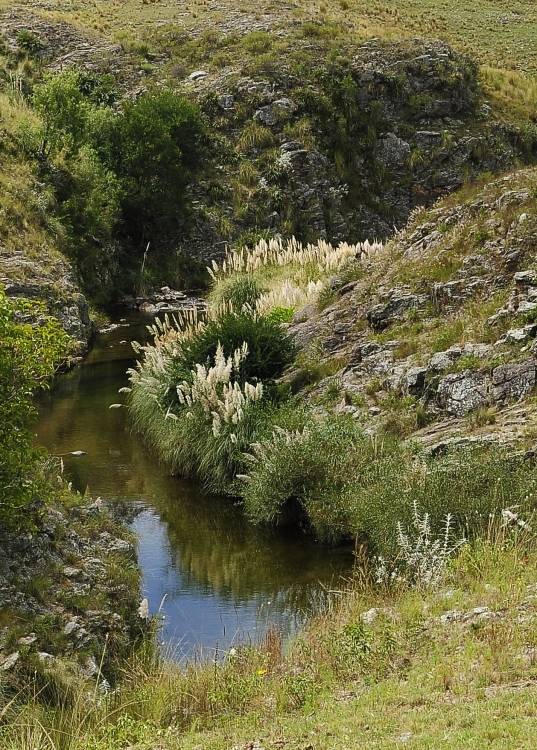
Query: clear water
pixel 217 580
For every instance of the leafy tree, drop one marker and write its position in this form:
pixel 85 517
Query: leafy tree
pixel 119 175
pixel 64 110
pixel 154 146
pixel 28 356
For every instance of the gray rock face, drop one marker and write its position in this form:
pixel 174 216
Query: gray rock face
pixel 525 278
pixel 414 381
pixel 198 75
pixel 461 392
pixel 279 110
pixel 305 313
pixel 364 350
pixel 392 151
pixel 226 101
pixel 516 336
pixel 426 140
pixel 381 316
pixel 10 662
pixel 444 360
pixel 57 289
pixel 513 381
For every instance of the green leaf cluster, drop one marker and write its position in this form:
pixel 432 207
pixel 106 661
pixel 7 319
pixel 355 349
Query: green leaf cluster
pixel 29 353
pixel 119 171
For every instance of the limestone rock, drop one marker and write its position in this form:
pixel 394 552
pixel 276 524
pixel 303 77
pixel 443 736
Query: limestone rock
pixel 516 336
pixel 382 315
pixel 461 392
pixel 279 110
pixel 10 662
pixel 392 151
pixel 513 381
pixel 414 381
pixel 525 278
pixel 444 360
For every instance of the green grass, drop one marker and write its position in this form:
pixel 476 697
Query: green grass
pixel 399 676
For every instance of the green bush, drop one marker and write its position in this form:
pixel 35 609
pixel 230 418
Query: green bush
pixel 119 174
pixel 300 475
pixel 187 444
pixel 341 483
pixel 29 42
pixel 270 348
pixel 471 483
pixel 28 355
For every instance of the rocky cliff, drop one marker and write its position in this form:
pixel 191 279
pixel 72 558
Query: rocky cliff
pixel 437 340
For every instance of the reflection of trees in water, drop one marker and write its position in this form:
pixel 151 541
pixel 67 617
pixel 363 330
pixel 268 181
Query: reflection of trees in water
pixel 213 544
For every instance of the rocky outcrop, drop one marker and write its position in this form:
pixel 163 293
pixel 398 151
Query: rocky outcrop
pixel 83 592
pixel 511 382
pixel 461 392
pixel 415 101
pixel 382 315
pixel 459 353
pixel 50 280
pixel 61 44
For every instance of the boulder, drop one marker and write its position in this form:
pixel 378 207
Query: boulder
pixel 381 316
pixel 513 381
pixel 516 336
pixel 281 109
pixel 392 152
pixel 414 381
pixel 525 278
pixel 364 350
pixel 444 360
pixel 460 392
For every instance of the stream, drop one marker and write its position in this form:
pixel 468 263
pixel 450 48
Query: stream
pixel 216 580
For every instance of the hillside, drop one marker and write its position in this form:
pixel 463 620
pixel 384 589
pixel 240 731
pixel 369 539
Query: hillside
pixel 329 122
pixel 435 340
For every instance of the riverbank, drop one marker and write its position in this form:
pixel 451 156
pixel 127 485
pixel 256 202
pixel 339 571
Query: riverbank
pixel 385 667
pixel 69 592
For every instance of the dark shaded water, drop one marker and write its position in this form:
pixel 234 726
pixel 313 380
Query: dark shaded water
pixel 222 580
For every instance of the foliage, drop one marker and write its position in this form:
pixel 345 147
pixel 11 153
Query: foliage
pixel 240 290
pixel 28 356
pixel 270 349
pixel 119 174
pixel 358 491
pixel 422 557
pixel 29 42
pixel 152 147
pixel 479 481
pixel 304 472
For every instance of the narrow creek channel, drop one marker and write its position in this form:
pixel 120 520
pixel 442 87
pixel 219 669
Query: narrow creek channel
pixel 223 581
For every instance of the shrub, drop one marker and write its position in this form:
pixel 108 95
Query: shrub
pixel 270 349
pixel 29 42
pixel 240 290
pixel 213 421
pixel 422 557
pixel 470 483
pixel 301 474
pixel 28 356
pixel 119 175
pixel 340 483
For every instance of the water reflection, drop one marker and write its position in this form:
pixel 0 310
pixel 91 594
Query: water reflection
pixel 222 579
